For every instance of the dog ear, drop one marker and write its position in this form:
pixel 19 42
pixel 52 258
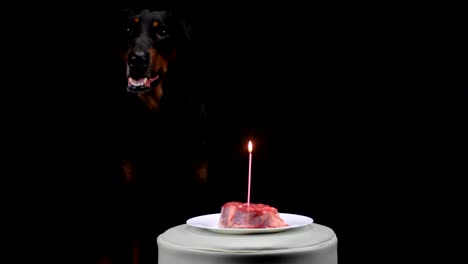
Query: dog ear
pixel 186 28
pixel 183 26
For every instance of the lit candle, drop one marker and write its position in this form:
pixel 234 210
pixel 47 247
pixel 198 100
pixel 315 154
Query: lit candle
pixel 250 172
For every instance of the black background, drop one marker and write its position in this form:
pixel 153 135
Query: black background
pixel 357 113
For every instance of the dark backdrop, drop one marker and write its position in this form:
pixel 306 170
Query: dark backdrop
pixel 357 113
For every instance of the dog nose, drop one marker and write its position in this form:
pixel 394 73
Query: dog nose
pixel 138 62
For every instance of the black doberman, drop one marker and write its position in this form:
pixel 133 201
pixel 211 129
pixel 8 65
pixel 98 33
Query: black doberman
pixel 159 143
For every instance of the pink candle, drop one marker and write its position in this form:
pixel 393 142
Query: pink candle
pixel 250 172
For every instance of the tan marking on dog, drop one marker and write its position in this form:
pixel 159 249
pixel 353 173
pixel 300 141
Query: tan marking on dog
pixel 202 172
pixel 128 171
pixel 152 98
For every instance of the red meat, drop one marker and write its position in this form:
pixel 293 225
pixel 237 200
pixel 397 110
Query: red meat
pixel 243 215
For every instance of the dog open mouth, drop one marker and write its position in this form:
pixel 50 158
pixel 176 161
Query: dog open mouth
pixel 142 85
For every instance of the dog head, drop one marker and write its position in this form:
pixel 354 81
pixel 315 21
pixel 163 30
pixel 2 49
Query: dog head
pixel 153 38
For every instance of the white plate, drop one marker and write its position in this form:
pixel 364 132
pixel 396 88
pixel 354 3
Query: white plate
pixel 210 222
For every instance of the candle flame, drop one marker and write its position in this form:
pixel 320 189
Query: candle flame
pixel 250 146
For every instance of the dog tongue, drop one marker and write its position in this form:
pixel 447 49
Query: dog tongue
pixel 149 81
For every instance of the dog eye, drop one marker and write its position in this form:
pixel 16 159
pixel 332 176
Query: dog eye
pixel 162 32
pixel 132 25
pixel 130 29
